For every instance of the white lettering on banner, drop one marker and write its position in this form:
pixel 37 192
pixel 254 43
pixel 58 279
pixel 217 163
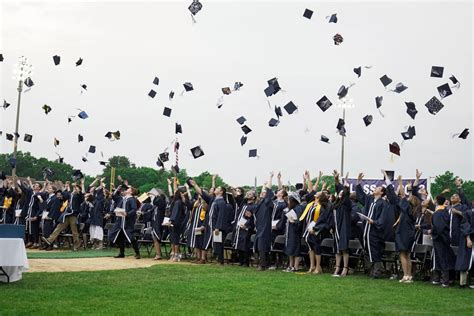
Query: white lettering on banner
pixel 369 185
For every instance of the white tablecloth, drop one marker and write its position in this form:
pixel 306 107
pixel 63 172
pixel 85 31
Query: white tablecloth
pixel 13 258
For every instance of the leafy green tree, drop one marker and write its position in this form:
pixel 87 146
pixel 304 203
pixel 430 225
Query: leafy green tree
pixel 446 181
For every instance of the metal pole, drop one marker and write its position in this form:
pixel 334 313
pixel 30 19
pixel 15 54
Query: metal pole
pixel 15 143
pixel 342 144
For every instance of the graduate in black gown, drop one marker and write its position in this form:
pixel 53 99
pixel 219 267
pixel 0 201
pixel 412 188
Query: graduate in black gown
pixel 196 233
pixel 465 257
pixel 155 215
pixel 53 206
pixel 293 232
pixel 179 206
pixel 244 227
pixel 33 217
pixel 460 203
pixel 279 204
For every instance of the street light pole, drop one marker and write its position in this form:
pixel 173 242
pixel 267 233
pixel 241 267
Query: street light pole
pixel 342 143
pixel 344 103
pixel 15 142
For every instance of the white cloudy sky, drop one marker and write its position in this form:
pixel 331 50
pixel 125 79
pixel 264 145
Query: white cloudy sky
pixel 126 44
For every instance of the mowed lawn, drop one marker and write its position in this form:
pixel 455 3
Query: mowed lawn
pixel 211 289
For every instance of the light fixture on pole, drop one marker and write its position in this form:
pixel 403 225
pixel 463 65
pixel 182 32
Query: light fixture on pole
pixel 21 71
pixel 344 103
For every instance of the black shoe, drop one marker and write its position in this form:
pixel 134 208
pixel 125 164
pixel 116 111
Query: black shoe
pixel 120 255
pixel 45 240
pixel 49 248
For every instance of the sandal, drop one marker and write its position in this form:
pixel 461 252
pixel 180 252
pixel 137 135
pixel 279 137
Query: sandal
pixel 157 258
pixel 311 270
pixel 345 271
pixel 336 272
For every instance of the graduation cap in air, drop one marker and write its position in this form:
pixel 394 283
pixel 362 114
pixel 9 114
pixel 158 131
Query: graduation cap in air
pixel 188 86
pixel 92 149
pixel 390 175
pixel 324 139
pixel 197 152
pixel 164 157
pixel 437 71
pixel 28 138
pixel 178 129
pixel 273 87
pixel 324 103
pixel 103 163
pixel 167 112
pixel 80 138
pixel 290 107
pixel 308 13
pixel 84 159
pixel 114 135
pixel 246 129
pixel 273 122
pixel 159 163
pixel 434 105
pixel 411 109
pixel 464 133
pixel 252 153
pixel 238 85
pixel 29 82
pixel 56 59
pixel 278 111
pixel 175 168
pixel 399 88
pixel 83 115
pixel 444 90
pixel 342 92
pixel 358 71
pixel 243 140
pixel 152 93
pixel 60 159
pixel 171 95
pixel 333 18
pixel 368 120
pixel 9 136
pixel 79 62
pixel 394 148
pixel 378 101
pixel 195 7
pixel 385 80
pixel 455 81
pixel 241 120
pixel 84 86
pixel 226 90
pixel 338 39
pixel 1 57
pixel 341 127
pixel 47 172
pixel 56 142
pixel 77 175
pixel 409 134
pixel 46 108
pixel 5 104
pixel 156 81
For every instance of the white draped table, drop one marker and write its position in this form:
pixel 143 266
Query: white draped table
pixel 13 258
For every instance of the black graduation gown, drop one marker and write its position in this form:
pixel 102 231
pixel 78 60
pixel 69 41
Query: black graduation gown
pixel 312 241
pixel 263 223
pixel 177 218
pixel 74 204
pixel 124 224
pixel 242 235
pixel 342 215
pixel 278 207
pixel 465 257
pixel 442 252
pixel 215 221
pixel 293 234
pixel 373 235
pixel 455 224
pixel 98 211
pixel 357 226
pixel 194 239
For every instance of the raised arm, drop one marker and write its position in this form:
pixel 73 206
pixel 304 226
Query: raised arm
pixel 280 185
pixel 462 195
pixel 213 182
pixel 361 196
pixel 170 190
pixel 316 185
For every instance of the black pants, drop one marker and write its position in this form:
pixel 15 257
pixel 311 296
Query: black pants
pixel 34 235
pixel 263 258
pixel 121 240
pixel 244 259
pixel 48 227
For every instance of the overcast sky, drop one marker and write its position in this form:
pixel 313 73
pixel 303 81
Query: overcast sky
pixel 124 45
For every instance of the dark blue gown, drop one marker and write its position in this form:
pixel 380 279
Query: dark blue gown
pixel 196 240
pixel 293 234
pixel 242 235
pixel 465 257
pixel 442 252
pixel 263 223
pixel 177 218
pixel 124 224
pixel 342 221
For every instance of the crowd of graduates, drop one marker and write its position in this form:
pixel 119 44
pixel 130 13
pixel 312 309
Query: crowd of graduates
pixel 251 222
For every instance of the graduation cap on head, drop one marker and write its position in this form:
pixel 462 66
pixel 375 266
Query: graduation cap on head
pixel 411 109
pixel 324 103
pixel 156 81
pixel 333 18
pixel 385 80
pixel 167 112
pixel 368 120
pixel 409 134
pixel 273 87
pixel 195 7
pixel 444 91
pixel 246 129
pixel 437 71
pixel 80 138
pixel 29 83
pixel 341 127
pixel 28 138
pixel 342 92
pixel 188 86
pixel 5 104
pixel 92 149
pixel 464 133
pixel 226 90
pixel 290 107
pixel 273 122
pixel 308 13
pixel 434 105
pixel 56 59
pixel 378 101
pixel 278 111
pixel 9 136
pixel 399 88
pixel 358 71
pixel 197 152
pixel 152 93
pixel 83 115
pixel 171 95
pixel 241 120
pixel 243 140
pixel 77 175
pixel 56 142
pixel 178 129
pixel 394 148
pixel 238 85
pixel 390 175
pixel 79 62
pixel 324 139
pixel 252 153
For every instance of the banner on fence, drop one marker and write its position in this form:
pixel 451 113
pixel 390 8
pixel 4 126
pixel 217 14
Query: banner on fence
pixel 369 185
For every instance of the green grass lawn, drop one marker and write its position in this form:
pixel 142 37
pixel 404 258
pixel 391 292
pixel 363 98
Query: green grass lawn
pixel 212 289
pixel 68 254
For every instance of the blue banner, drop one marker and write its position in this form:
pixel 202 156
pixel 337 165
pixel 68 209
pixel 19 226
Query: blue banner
pixel 369 185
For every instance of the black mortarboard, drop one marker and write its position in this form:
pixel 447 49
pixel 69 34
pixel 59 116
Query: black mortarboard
pixel 238 85
pixel 171 95
pixel 333 18
pixel 243 140
pixel 342 92
pixel 434 105
pixel 241 120
pixel 278 111
pixel 84 86
pixel 299 186
pixel 167 112
pixel 84 159
pixel 394 148
pixel 464 133
pixel 77 175
pixel 5 104
pixel 409 133
pixel 116 135
pixel 188 86
pixel 437 71
pixel 29 83
pixel 80 138
pixel 175 168
pixel 1 57
pixel 411 109
pixel 273 87
pixel 341 127
pixel 60 159
pixel 56 59
pixel 390 175
pixel 324 139
pixel 178 129
pixel 399 87
pixel 28 138
pixel 378 101
pixel 103 163
pixel 324 103
pixel 358 71
pixel 47 172
pixel 385 80
pixel 444 91
pixel 9 136
pixel 273 122
pixel 83 115
pixel 290 107
pixel 197 152
pixel 308 13
pixel 226 90
pixel 453 79
pixel 164 157
pixel 152 93
pixel 246 129
pixel 368 120
pixel 79 62
pixel 159 163
pixel 156 81
pixel 46 108
pixel 92 149
pixel 69 119
pixel 56 142
pixel 252 153
pixel 195 7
